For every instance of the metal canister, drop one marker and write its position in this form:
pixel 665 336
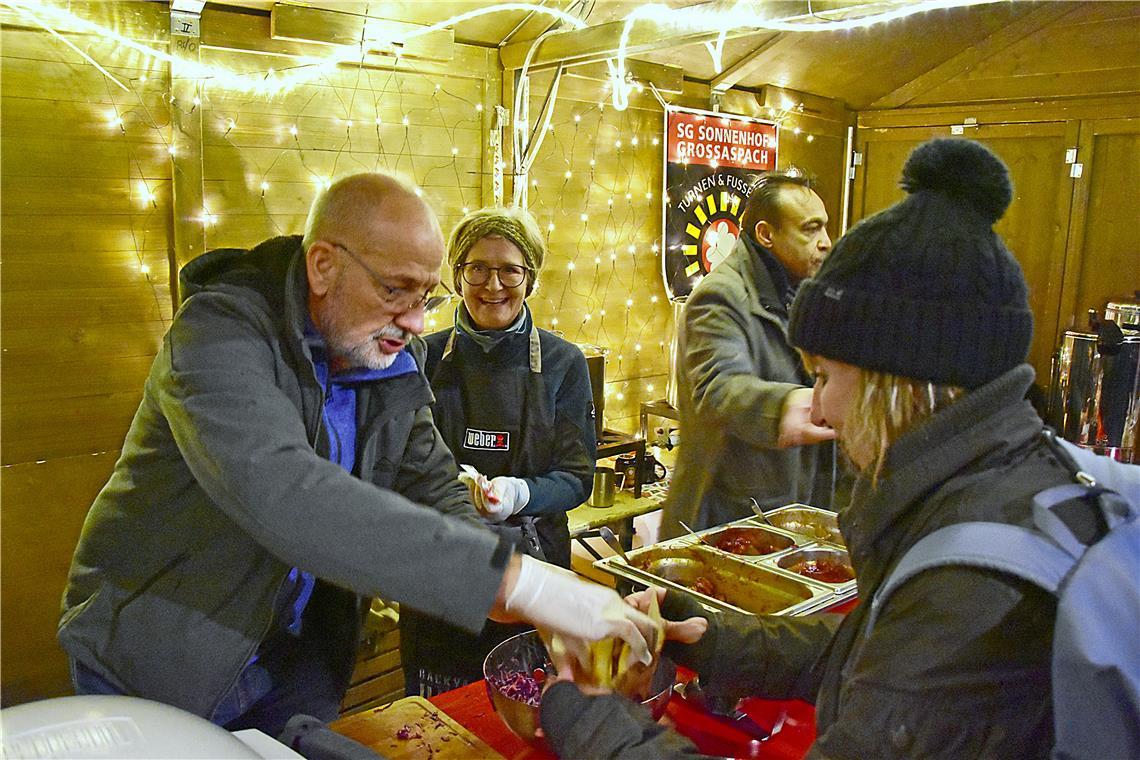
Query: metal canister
pixel 1124 313
pixel 1094 397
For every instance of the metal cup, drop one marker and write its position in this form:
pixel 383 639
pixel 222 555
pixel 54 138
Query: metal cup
pixel 603 493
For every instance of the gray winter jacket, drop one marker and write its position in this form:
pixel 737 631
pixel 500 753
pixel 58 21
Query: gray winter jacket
pixel 735 370
pixel 223 486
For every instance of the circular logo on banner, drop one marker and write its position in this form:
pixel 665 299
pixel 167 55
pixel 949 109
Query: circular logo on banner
pixel 711 229
pixel 718 240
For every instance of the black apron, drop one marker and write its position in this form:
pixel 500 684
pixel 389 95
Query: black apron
pixel 492 412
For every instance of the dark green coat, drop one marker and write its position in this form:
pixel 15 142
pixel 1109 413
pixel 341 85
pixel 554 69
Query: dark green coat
pixel 223 486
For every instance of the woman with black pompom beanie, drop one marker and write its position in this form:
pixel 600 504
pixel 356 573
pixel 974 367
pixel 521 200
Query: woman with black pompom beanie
pixel 916 327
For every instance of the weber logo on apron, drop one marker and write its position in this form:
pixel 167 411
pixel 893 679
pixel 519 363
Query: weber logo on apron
pixel 488 440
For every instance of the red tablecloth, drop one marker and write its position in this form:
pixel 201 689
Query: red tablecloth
pixel 791 722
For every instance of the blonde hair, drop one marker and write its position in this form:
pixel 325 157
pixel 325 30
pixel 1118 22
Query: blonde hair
pixel 886 406
pixel 513 224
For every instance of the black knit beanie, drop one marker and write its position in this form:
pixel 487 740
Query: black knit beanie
pixel 924 289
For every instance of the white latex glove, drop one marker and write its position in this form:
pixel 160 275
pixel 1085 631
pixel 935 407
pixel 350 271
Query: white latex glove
pixel 557 600
pixel 482 495
pixel 513 493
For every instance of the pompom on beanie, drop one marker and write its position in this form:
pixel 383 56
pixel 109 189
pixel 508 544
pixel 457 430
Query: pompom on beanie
pixel 925 289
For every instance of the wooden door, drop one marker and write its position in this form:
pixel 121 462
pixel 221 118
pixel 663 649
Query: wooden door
pixel 1103 255
pixel 1035 226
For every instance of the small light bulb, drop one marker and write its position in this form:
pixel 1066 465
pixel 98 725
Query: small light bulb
pixel 419 192
pixel 653 299
pixel 629 303
pixel 649 387
pixel 620 396
pixel 348 124
pixel 796 131
pixel 570 266
pixel 597 260
pixel 550 228
pixel 405 121
pixel 438 86
pixel 649 195
pixel 264 186
pixel 171 150
pixel 568 174
pixel 637 347
pixel 584 217
pixel 631 248
pixel 617 144
pixel 479 107
pixel 293 130
pixel 592 162
pixel 144 269
pixel 549 127
pixel 613 257
pixel 589 317
pixel 554 320
pixel 714 163
pixel 197 101
pixel 454 151
pixel 379 121
pixel 142 78
pixel 577 117
pixel 610 202
pixel 602 313
pixel 629 196
pixel 633 141
pixel 811 138
pixel 655 141
pixel 534 183
pixel 230 124
pixel 465 210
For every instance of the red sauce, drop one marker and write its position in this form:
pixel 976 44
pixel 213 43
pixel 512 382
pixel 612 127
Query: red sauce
pixel 703 585
pixel 823 570
pixel 750 541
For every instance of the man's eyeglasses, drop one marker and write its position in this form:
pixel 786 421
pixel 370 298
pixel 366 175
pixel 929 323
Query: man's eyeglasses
pixel 478 273
pixel 401 299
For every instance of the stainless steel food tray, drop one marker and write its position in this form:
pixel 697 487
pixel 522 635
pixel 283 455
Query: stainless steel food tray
pixel 745 587
pixel 755 584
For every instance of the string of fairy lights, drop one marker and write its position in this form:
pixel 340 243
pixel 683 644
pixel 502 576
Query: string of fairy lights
pixel 594 186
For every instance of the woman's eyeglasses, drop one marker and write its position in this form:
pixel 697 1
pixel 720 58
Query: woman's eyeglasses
pixel 401 299
pixel 478 273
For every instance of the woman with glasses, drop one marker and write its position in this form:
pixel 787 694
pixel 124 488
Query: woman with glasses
pixel 513 403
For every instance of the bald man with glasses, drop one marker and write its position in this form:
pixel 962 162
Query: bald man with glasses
pixel 283 468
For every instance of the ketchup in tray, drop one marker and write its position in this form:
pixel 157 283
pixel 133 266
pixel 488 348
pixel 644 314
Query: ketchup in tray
pixel 822 570
pixel 749 541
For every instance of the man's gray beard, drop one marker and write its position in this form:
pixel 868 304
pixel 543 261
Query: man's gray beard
pixel 367 354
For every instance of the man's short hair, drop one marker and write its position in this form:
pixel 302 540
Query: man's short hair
pixel 763 203
pixel 349 200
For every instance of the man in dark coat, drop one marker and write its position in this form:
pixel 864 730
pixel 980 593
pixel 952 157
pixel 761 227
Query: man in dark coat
pixel 743 391
pixel 282 468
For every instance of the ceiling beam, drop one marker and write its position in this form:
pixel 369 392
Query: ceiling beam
pixel 597 43
pixel 746 66
pixel 1041 16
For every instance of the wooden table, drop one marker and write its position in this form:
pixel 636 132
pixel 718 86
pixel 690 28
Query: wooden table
pixel 585 520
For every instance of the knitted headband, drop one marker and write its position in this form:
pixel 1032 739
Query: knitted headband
pixel 513 224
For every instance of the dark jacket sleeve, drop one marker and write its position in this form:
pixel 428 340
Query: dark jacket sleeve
pixel 719 360
pixel 606 726
pixel 744 655
pixel 569 481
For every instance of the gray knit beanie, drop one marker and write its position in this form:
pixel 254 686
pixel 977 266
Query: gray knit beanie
pixel 925 289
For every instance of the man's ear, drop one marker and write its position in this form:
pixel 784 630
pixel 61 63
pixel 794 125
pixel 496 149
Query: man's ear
pixel 321 266
pixel 763 232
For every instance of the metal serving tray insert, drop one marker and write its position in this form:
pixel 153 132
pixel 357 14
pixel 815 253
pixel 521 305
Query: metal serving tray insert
pixel 735 585
pixel 816 524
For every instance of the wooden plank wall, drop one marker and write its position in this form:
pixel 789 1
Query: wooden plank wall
pixel 86 239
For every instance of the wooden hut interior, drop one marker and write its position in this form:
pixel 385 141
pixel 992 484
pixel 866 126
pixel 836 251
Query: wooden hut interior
pixel 137 135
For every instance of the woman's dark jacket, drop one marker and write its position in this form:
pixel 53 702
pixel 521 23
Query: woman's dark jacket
pixel 958 664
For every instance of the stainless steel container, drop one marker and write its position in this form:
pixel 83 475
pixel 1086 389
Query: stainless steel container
pixel 1124 313
pixel 1094 397
pixel 765 583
